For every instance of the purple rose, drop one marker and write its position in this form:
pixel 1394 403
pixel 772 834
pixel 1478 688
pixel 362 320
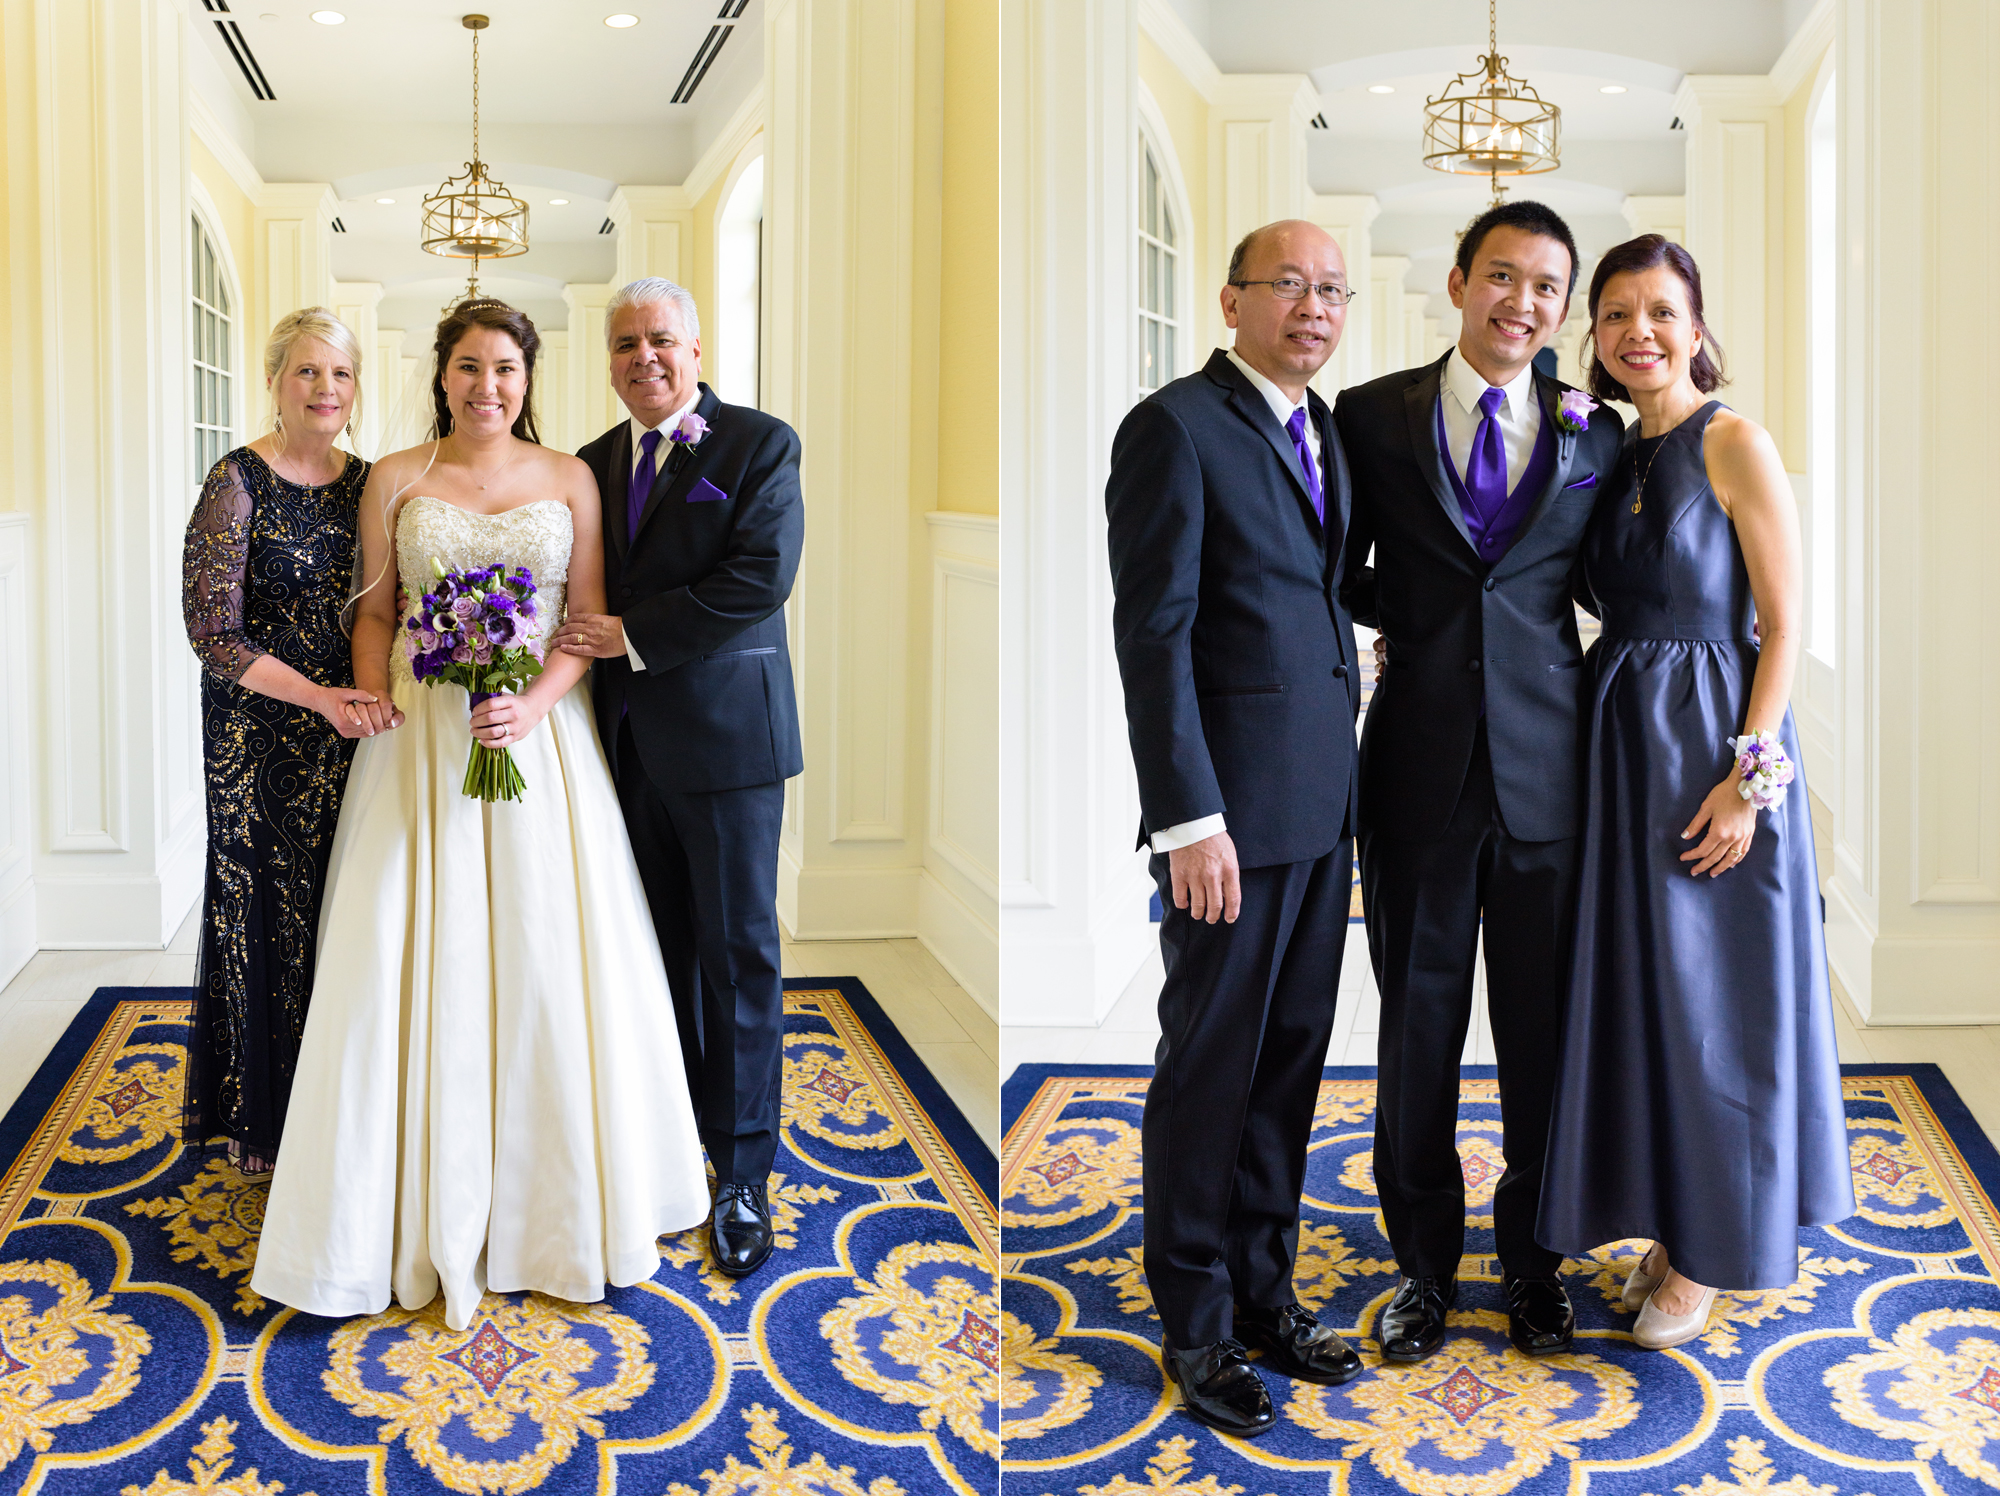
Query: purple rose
pixel 462 655
pixel 1573 410
pixel 689 430
pixel 426 640
pixel 465 607
pixel 482 653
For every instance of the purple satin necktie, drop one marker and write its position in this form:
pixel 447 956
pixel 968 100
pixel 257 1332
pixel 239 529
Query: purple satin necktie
pixel 1297 427
pixel 1486 464
pixel 642 482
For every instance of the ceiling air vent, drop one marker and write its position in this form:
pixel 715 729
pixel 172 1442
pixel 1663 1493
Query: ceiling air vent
pixel 606 227
pixel 710 49
pixel 339 227
pixel 1677 125
pixel 246 60
pixel 1319 122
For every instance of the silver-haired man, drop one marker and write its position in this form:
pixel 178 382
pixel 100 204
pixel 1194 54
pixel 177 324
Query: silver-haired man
pixel 702 528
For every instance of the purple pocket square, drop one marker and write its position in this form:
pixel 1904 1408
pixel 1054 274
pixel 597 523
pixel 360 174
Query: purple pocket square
pixel 1590 482
pixel 704 492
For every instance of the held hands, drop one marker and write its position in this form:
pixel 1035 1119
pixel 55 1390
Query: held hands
pixel 1731 822
pixel 595 636
pixel 355 713
pixel 1381 657
pixel 503 721
pixel 1207 882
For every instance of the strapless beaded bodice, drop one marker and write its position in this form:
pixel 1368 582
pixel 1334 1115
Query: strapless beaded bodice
pixel 537 536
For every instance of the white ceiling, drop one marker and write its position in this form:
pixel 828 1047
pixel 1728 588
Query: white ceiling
pixel 381 106
pixel 1613 145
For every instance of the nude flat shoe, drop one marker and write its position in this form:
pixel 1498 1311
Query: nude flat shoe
pixel 1657 1330
pixel 1639 1287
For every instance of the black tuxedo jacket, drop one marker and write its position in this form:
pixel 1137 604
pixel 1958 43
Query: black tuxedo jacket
pixel 1236 653
pixel 1459 629
pixel 701 589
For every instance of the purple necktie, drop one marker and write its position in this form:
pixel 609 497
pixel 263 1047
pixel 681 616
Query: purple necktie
pixel 642 483
pixel 1297 427
pixel 1486 464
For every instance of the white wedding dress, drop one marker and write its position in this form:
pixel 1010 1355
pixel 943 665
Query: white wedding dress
pixel 490 1092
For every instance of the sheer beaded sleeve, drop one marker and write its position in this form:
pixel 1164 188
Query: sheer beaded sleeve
pixel 213 563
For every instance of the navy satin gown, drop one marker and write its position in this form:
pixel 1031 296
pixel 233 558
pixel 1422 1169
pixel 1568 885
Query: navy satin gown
pixel 1699 1100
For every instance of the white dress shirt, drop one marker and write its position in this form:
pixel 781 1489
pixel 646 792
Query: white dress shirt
pixel 1520 416
pixel 1187 833
pixel 639 429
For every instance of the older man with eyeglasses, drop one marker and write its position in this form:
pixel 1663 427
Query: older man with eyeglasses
pixel 1228 505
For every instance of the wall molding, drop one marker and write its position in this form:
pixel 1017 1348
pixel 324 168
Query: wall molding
pixel 17 768
pixel 1799 63
pixel 1166 30
pixel 716 162
pixel 211 132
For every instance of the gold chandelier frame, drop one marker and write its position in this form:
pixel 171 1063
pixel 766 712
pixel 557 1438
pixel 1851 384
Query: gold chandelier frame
pixel 472 216
pixel 1488 123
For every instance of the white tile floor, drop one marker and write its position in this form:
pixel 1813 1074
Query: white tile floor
pixel 947 1029
pixel 1969 1057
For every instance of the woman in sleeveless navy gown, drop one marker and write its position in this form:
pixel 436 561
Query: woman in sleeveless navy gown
pixel 1699 1103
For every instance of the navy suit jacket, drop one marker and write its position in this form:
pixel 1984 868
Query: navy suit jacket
pixel 1462 632
pixel 1235 650
pixel 701 589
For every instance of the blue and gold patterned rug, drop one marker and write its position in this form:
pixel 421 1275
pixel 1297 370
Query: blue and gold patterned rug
pixel 1878 1372
pixel 135 1358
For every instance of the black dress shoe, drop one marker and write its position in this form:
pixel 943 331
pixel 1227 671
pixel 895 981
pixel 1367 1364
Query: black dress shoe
pixel 1297 1345
pixel 1413 1325
pixel 1540 1321
pixel 739 1229
pixel 1221 1389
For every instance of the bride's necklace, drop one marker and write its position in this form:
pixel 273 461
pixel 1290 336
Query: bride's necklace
pixel 497 471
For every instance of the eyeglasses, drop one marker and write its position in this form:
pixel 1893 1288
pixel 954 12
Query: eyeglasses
pixel 1291 288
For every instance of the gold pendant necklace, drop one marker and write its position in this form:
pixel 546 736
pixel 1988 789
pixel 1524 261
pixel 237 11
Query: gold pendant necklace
pixel 1639 498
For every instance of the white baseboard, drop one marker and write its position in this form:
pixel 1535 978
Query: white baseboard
pixel 1072 982
pixel 116 914
pixel 17 931
pixel 850 903
pixel 965 945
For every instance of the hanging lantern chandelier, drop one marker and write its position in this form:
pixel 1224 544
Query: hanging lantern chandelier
pixel 1490 124
pixel 472 216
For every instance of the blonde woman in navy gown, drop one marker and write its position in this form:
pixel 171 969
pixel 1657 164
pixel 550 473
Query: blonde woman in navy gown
pixel 1699 1102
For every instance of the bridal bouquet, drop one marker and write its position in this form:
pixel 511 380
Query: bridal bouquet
pixel 477 629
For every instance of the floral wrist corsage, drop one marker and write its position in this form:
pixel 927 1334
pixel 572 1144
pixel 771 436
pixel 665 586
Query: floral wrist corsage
pixel 1762 769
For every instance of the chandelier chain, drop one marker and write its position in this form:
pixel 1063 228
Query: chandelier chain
pixel 475 95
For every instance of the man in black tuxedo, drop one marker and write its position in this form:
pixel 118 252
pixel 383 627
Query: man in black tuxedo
pixel 1473 488
pixel 693 685
pixel 1228 503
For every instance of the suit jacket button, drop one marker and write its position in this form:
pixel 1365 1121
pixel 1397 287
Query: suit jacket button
pixel 1340 672
pixel 1472 665
pixel 1490 584
pixel 624 591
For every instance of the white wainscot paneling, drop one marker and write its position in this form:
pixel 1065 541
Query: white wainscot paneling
pixel 958 900
pixel 17 882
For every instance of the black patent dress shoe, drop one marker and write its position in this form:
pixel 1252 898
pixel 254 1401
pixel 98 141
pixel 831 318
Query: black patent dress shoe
pixel 739 1229
pixel 1413 1325
pixel 1297 1345
pixel 1220 1388
pixel 1540 1321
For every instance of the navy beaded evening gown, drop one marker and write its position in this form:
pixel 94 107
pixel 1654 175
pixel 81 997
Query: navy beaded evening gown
pixel 267 569
pixel 1699 1101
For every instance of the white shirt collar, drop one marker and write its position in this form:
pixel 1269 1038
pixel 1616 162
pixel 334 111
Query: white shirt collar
pixel 1280 403
pixel 667 423
pixel 1467 384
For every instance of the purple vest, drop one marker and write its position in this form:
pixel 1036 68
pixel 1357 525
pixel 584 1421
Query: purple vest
pixel 1493 533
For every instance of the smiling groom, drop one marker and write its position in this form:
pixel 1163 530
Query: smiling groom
pixel 702 528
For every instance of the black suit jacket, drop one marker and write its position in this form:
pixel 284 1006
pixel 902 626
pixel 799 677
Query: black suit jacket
pixel 1458 628
pixel 1236 653
pixel 701 589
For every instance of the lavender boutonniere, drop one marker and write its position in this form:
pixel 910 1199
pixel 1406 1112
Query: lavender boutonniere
pixel 1573 410
pixel 688 431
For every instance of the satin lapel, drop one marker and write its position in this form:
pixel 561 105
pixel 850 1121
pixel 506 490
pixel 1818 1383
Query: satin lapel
pixel 1251 406
pixel 678 468
pixel 1420 406
pixel 618 489
pixel 1339 496
pixel 1546 392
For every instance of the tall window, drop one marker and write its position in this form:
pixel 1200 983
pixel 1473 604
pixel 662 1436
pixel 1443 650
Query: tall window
pixel 739 285
pixel 214 378
pixel 1823 509
pixel 1159 277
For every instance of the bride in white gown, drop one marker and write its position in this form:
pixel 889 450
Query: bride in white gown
pixel 490 1092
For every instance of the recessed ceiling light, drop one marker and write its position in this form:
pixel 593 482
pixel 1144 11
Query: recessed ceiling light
pixel 328 17
pixel 621 21
pixel 1612 88
pixel 385 200
pixel 558 202
pixel 1380 88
